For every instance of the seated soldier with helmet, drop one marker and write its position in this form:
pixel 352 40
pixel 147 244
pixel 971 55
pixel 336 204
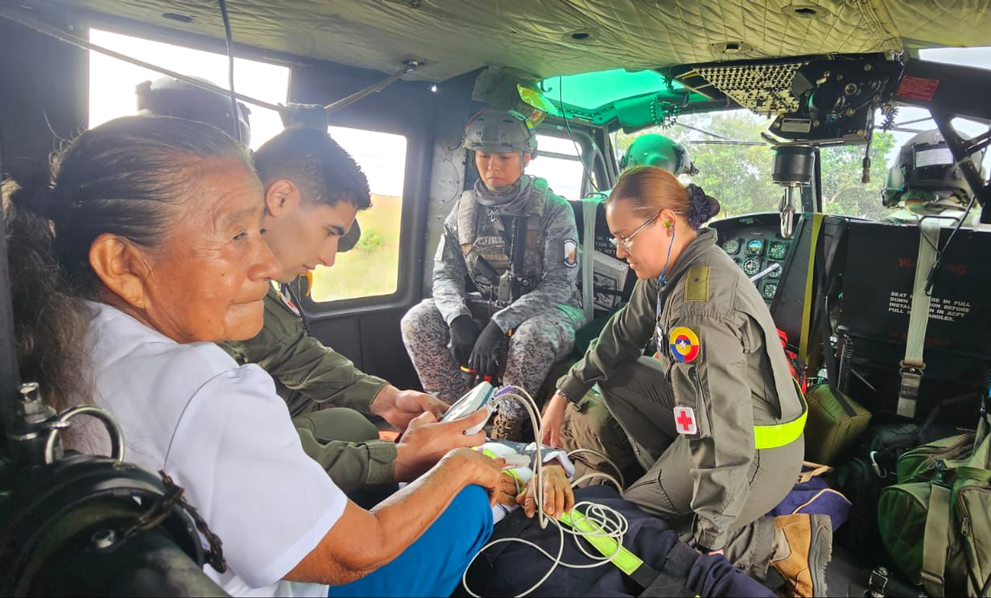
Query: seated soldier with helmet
pixel 925 182
pixel 517 244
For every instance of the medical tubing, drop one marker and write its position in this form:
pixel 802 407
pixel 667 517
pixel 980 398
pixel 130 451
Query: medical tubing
pixel 606 521
pixel 622 480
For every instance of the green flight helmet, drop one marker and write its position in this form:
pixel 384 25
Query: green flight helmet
pixel 168 96
pixel 925 170
pixel 658 150
pixel 500 132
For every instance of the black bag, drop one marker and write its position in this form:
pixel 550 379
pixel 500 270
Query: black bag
pixel 509 569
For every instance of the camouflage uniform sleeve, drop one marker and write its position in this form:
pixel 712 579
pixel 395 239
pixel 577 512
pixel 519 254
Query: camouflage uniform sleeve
pixel 304 364
pixel 559 278
pixel 622 341
pixel 450 271
pixel 715 386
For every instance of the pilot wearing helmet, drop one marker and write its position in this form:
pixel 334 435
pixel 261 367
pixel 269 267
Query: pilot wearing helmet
pixel 516 243
pixel 657 150
pixel 925 182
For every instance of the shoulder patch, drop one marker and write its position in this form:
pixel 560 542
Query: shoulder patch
pixel 684 344
pixel 697 284
pixel 571 253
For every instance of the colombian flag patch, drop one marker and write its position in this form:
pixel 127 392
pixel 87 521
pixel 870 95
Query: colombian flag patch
pixel 685 345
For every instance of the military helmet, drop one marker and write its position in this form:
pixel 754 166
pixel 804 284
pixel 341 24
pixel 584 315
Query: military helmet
pixel 168 96
pixel 925 169
pixel 658 150
pixel 500 132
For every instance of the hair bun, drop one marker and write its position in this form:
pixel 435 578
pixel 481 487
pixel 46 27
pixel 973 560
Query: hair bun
pixel 31 193
pixel 701 207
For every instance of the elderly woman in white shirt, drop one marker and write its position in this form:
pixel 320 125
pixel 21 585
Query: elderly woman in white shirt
pixel 155 224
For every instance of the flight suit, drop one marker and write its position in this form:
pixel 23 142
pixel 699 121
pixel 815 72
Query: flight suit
pixel 310 376
pixel 543 320
pixel 715 417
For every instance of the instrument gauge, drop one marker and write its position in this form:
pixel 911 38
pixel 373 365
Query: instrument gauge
pixel 777 251
pixel 755 246
pixel 769 290
pixel 732 246
pixel 751 266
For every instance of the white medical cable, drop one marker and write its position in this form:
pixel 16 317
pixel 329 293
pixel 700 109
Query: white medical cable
pixel 598 474
pixel 608 461
pixel 607 521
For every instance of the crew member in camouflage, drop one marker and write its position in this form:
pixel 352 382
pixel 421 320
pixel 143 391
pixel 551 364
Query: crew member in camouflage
pixel 523 317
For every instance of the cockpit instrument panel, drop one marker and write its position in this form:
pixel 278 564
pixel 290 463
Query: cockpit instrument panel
pixel 756 245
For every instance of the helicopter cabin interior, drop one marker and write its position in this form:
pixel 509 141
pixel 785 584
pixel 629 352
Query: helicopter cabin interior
pixel 791 111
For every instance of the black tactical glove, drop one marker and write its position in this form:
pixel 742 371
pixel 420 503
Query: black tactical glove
pixel 485 356
pixel 464 333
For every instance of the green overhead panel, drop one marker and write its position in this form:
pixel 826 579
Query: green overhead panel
pixel 630 100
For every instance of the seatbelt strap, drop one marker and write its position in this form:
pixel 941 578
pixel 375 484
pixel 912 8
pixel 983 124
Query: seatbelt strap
pixel 590 211
pixel 913 365
pixel 826 267
pixel 806 332
pixel 935 543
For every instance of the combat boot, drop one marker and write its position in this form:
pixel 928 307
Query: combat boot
pixel 504 428
pixel 803 547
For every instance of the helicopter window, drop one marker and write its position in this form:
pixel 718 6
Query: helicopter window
pixel 112 81
pixel 558 162
pixel 371 269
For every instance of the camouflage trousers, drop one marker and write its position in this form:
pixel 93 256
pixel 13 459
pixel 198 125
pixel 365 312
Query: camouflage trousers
pixel 533 349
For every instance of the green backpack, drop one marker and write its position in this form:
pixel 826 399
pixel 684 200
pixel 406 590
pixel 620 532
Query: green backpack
pixel 936 521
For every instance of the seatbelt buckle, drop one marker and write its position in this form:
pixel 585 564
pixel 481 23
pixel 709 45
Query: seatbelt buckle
pixel 908 392
pixel 878 583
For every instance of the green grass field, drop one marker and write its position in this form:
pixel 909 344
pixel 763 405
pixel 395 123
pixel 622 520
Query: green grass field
pixel 372 268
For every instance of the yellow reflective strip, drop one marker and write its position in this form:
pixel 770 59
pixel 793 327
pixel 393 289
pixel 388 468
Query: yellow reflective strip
pixel 803 345
pixel 768 437
pixel 777 435
pixel 625 561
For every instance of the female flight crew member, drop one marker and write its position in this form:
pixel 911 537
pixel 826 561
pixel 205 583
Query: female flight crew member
pixel 540 308
pixel 157 226
pixel 714 417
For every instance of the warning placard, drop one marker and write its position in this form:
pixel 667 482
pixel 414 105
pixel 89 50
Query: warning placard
pixel 917 88
pixel 939 309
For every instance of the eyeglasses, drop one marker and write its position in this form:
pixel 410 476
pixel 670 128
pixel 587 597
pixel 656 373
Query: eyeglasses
pixel 627 242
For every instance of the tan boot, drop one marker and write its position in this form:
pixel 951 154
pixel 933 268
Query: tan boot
pixel 505 429
pixel 802 563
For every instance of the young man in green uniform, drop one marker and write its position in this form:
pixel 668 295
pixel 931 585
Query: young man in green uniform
pixel 313 191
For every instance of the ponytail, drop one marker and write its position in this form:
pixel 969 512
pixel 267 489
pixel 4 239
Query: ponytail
pixel 50 323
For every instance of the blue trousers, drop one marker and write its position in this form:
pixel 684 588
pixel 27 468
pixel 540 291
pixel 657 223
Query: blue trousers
pixel 433 565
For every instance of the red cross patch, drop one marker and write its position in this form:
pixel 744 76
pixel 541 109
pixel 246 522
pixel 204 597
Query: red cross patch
pixel 684 421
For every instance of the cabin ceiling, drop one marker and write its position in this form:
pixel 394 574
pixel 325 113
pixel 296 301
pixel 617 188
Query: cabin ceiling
pixel 539 36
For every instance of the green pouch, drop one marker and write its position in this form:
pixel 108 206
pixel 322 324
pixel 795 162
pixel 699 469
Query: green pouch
pixel 834 424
